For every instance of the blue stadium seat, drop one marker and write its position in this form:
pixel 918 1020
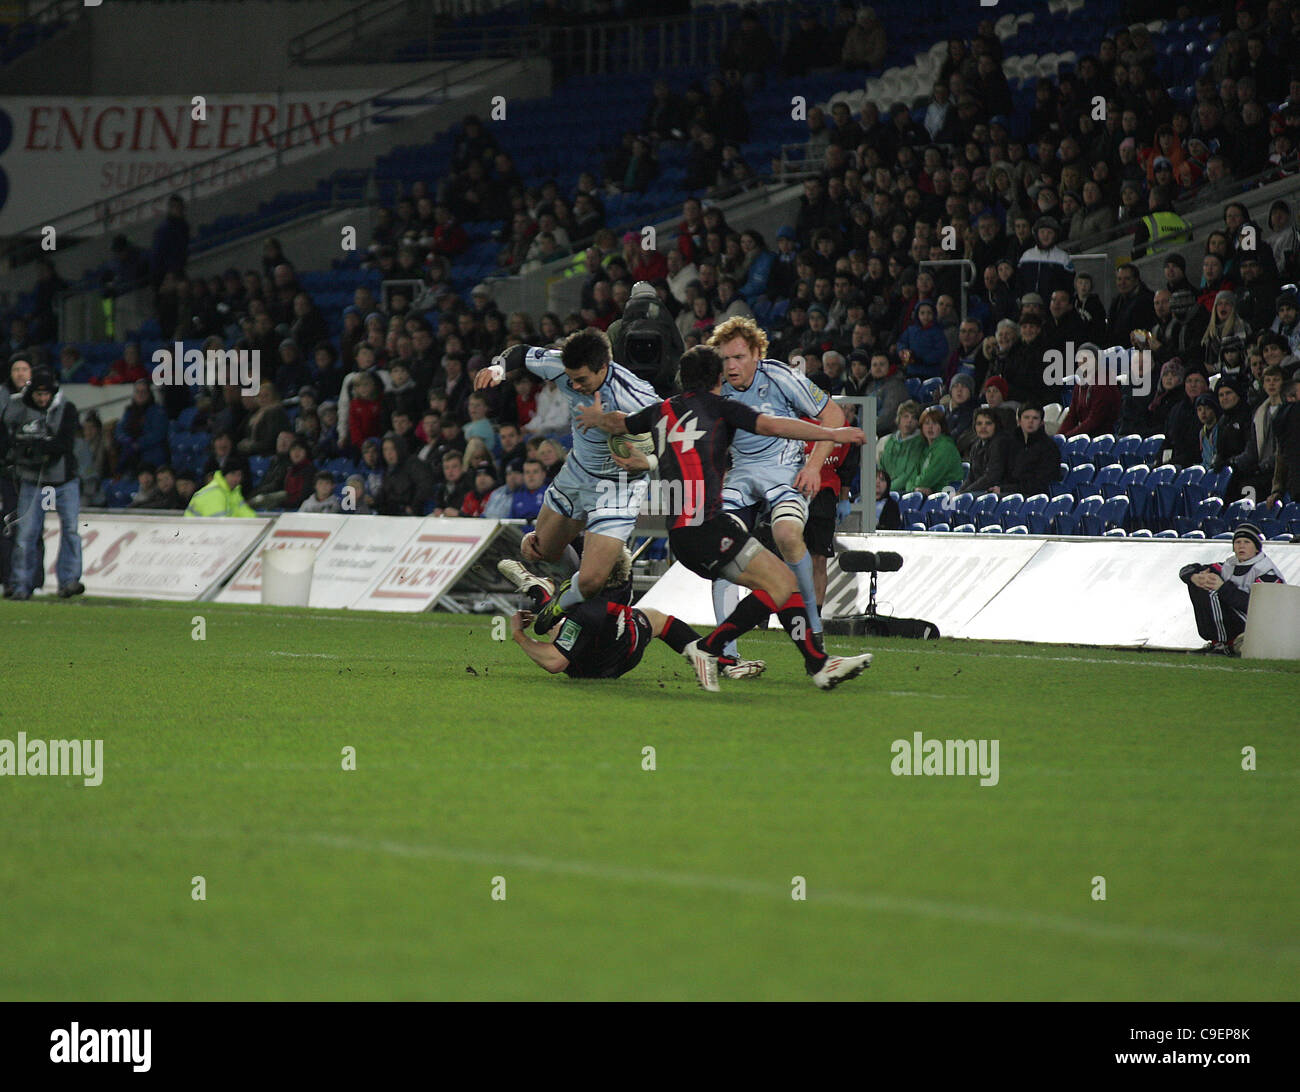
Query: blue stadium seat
pixel 1116 532
pixel 1063 446
pixel 1077 449
pixel 1101 447
pixel 1290 517
pixel 1151 447
pixel 915 390
pixel 943 527
pixel 1217 484
pixel 1079 479
pixel 1191 488
pixel 909 507
pixel 931 390
pixel 935 509
pixel 1114 514
pixel 1225 536
pixel 1009 509
pixel 1167 533
pixel 1238 512
pixel 1032 510
pixel 1108 479
pixel 1085 520
pixel 257 465
pixel 1141 532
pixel 965 528
pixel 984 510
pixel 1127 450
pixel 1206 515
pixel 991 529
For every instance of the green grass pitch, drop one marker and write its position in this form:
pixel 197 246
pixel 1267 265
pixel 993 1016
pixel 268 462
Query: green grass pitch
pixel 223 759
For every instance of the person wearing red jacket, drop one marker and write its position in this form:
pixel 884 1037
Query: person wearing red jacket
pixel 1097 400
pixel 829 507
pixel 300 478
pixel 364 410
pixel 126 369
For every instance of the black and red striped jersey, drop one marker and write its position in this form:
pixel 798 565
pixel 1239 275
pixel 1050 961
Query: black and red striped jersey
pixel 693 433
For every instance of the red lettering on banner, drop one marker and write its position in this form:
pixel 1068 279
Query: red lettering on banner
pixel 197 127
pixel 37 120
pixel 99 130
pixel 173 134
pixel 226 112
pixel 108 562
pixel 263 127
pixel 347 129
pixel 66 121
pixel 135 132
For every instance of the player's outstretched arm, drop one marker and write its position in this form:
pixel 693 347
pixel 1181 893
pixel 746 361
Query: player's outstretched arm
pixel 544 655
pixel 793 429
pixel 505 366
pixel 595 416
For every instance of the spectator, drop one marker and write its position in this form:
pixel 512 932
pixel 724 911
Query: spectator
pixel 1234 427
pixel 903 449
pixel 1255 465
pixel 127 368
pixel 93 457
pixel 1183 425
pixel 960 404
pixel 940 463
pixel 922 348
pixel 888 515
pixel 171 244
pixel 270 491
pixel 141 431
pixel 1096 402
pixel 477 499
pixel 527 501
pixel 1132 308
pixel 300 478
pixel 750 51
pixel 322 498
pixel 408 485
pixel 223 495
pixel 365 411
pixel 265 424
pixel 807 47
pixel 989 454
pixel 552 416
pixel 147 493
pixel 1224 322
pixel 1220 593
pixel 864 43
pixel 1045 267
pixel 995 398
pixel 1179 329
pixel 1035 462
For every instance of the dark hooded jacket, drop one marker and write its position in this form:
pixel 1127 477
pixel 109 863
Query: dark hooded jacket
pixel 408 485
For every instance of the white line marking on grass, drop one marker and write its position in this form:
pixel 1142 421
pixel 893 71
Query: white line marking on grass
pixel 308 655
pixel 888 904
pixel 1194 665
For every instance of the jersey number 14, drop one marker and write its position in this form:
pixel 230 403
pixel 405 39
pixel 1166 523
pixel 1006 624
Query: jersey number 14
pixel 683 432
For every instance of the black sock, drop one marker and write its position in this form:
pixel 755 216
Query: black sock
pixel 750 613
pixel 538 596
pixel 794 617
pixel 677 634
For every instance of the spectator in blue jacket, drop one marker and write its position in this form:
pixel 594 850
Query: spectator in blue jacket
pixel 527 502
pixel 923 346
pixel 758 268
pixel 141 431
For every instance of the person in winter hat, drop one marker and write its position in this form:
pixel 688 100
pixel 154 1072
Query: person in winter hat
pixel 1220 593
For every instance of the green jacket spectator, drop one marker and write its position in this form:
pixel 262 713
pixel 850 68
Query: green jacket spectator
pixel 904 449
pixel 222 496
pixel 940 462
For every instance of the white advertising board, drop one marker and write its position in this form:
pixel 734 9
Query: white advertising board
pixel 154 557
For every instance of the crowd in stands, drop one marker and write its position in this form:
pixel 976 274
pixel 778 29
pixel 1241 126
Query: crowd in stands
pixel 384 400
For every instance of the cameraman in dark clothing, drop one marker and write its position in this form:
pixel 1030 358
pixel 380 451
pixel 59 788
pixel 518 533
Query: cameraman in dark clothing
pixel 38 431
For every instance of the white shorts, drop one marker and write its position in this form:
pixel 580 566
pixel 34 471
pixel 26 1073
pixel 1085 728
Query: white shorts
pixel 608 506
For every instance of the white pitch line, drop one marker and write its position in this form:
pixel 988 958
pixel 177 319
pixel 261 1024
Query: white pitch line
pixel 1193 665
pixel 307 655
pixel 888 904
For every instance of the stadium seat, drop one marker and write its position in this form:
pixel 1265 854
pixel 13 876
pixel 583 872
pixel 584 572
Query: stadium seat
pixel 1193 534
pixel 1053 415
pixel 1225 536
pixel 1018 529
pixel 1108 479
pixel 1127 450
pixel 1191 488
pixel 991 529
pixel 1078 521
pixel 1141 532
pixel 1290 518
pixel 1032 510
pixel 1217 484
pixel 1077 449
pixel 1062 445
pixel 916 390
pixel 1079 479
pixel 965 529
pixel 1116 532
pixel 1114 514
pixel 1167 533
pixel 909 508
pixel 1009 508
pixel 931 390
pixel 917 526
pixel 984 510
pixel 1101 447
pixel 935 509
pixel 943 527
pixel 1238 512
pixel 1151 448
pixel 1284 537
pixel 1057 513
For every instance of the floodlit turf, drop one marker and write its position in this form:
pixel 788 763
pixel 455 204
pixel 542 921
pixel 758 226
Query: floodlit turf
pixel 223 760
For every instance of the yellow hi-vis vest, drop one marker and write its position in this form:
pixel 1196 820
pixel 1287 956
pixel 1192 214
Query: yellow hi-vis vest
pixel 1165 230
pixel 218 499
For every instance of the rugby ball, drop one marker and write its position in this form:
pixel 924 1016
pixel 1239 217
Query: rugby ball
pixel 624 446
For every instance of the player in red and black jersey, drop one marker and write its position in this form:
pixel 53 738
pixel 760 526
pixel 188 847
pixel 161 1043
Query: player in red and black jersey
pixel 693 433
pixel 829 507
pixel 601 637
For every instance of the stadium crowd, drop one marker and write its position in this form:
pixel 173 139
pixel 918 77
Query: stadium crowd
pixel 376 411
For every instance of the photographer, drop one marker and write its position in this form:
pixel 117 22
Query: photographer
pixel 38 431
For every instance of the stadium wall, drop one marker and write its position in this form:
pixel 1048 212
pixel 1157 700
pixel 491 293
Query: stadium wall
pixel 1068 591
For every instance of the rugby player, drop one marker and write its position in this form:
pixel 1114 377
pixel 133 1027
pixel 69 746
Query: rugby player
pixel 590 491
pixel 601 637
pixel 694 432
pixel 770 474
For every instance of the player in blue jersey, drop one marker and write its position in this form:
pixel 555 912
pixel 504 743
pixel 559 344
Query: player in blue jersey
pixel 768 473
pixel 591 491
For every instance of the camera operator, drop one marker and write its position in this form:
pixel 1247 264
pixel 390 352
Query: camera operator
pixel 646 339
pixel 38 431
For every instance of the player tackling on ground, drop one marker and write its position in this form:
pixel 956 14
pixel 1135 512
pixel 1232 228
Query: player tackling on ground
pixel 601 637
pixel 694 431
pixel 590 491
